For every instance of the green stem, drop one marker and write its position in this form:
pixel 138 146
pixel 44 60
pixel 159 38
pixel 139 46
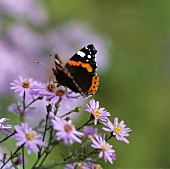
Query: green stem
pixel 67 114
pixel 84 124
pixel 7 137
pixel 45 130
pixel 23 158
pixel 49 143
pixel 32 102
pixel 109 137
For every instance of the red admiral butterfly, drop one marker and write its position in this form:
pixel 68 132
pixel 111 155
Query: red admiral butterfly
pixel 79 73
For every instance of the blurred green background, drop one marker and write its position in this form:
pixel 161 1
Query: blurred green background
pixel 135 87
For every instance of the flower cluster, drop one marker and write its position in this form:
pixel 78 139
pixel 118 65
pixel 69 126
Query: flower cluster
pixel 57 129
pixel 116 129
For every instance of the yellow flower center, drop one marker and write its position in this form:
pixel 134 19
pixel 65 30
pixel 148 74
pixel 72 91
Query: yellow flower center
pixel 68 128
pixel 105 147
pixel 118 130
pixel 96 113
pixel 30 136
pixel 25 84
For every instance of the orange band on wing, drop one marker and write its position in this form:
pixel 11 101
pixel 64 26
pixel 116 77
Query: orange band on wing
pixel 79 63
pixel 94 85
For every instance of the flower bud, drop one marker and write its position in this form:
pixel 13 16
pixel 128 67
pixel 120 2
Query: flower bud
pixel 78 109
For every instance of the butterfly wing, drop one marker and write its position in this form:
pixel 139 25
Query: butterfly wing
pixel 82 67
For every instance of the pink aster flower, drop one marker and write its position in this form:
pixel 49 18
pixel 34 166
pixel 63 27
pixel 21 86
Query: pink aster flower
pixel 66 131
pixel 53 92
pixel 118 129
pixel 4 127
pixel 98 113
pixel 25 135
pixel 24 86
pixel 106 149
pixel 45 89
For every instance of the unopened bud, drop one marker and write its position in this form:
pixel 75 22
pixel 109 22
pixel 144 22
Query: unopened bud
pixel 89 137
pixel 78 109
pixel 98 166
pixel 67 118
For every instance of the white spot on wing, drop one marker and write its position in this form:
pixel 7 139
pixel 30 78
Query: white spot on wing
pixel 89 56
pixel 80 53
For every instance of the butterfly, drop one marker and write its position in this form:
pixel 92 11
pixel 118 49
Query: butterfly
pixel 79 73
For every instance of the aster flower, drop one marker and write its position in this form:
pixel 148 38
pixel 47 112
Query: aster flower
pixel 53 92
pixel 44 89
pixel 98 113
pixel 66 131
pixel 106 149
pixel 25 135
pixel 59 92
pixel 88 130
pixel 24 86
pixel 118 129
pixel 4 127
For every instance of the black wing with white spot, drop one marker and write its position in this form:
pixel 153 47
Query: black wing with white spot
pixel 86 55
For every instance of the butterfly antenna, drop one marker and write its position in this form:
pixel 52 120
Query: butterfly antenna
pixel 43 63
pixel 40 63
